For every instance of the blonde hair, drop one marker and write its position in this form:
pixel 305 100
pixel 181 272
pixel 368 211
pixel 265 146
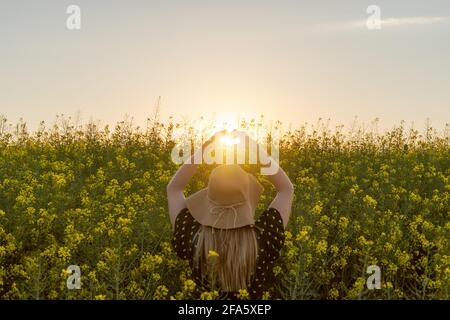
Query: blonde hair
pixel 235 264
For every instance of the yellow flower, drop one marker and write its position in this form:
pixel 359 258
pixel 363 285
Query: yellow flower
pixel 156 276
pixel 415 197
pixel 322 246
pixel 212 253
pixel 357 288
pixel 123 221
pixel 302 235
pixel 308 258
pixel 287 235
pixel 156 259
pixel 160 292
pixel 388 247
pixel 243 294
pixel 100 297
pixel 369 201
pixel 189 285
pixel 333 293
pixel 317 209
pixel 343 222
pixel 447 272
pixel 354 189
pixel 276 270
pixel 102 266
pixel 364 242
pixel 334 249
pixel 64 253
pixel 292 253
pixel 209 295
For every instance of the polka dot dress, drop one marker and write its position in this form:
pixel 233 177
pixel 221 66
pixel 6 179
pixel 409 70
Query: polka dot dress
pixel 269 232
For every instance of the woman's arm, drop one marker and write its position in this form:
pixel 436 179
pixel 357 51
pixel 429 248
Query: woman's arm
pixel 285 193
pixel 285 189
pixel 175 188
pixel 175 194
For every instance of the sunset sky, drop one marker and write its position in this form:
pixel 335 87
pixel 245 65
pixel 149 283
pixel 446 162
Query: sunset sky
pixel 293 61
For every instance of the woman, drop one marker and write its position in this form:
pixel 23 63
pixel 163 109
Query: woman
pixel 215 228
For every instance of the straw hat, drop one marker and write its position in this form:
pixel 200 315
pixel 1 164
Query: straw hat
pixel 229 201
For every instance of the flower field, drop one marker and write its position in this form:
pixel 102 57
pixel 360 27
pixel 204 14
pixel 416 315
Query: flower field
pixel 96 198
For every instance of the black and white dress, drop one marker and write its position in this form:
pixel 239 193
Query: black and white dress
pixel 270 235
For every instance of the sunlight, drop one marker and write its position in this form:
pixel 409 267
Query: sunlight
pixel 228 141
pixel 226 123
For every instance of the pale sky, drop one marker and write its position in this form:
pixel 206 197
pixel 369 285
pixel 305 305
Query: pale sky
pixel 293 61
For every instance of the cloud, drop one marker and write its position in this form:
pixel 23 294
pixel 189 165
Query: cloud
pixel 400 21
pixel 388 23
pixel 411 20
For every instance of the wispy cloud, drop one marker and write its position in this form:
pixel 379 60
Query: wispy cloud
pixel 400 21
pixel 386 22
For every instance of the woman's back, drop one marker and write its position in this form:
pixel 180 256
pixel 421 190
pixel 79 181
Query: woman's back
pixel 232 259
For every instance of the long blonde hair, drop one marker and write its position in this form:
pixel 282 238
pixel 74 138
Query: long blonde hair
pixel 235 264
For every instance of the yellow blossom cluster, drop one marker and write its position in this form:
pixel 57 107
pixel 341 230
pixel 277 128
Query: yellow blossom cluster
pixel 96 198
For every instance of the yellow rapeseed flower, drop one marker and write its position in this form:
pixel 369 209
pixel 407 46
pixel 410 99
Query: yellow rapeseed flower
pixel 317 209
pixel 369 201
pixel 209 295
pixel 276 270
pixel 243 294
pixel 189 285
pixel 266 295
pixel 160 292
pixel 212 253
pixel 322 246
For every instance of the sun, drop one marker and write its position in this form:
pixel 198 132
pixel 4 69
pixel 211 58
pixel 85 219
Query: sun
pixel 227 123
pixel 228 140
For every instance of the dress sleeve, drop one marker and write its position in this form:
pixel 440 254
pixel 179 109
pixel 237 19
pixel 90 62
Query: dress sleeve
pixel 185 228
pixel 271 233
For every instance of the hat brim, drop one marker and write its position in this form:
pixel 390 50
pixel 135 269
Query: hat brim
pixel 204 210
